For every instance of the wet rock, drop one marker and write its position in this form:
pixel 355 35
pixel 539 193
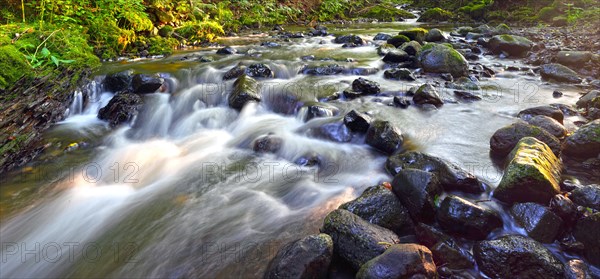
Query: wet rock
pixel 549 124
pixel 401 102
pixel 234 72
pixel 382 50
pixel 400 261
pixel 587 196
pixel 357 121
pixel 382 37
pixel 143 84
pixel 585 142
pixel 396 56
pixel 516 256
pixel 384 136
pixel 417 190
pixel 512 45
pixel 308 257
pixel 564 208
pixel 267 144
pixel 122 108
pixel 399 74
pixel 435 35
pixel 398 40
pixel 381 207
pixel 430 236
pixel 451 177
pixel 549 111
pixel 427 94
pixel 316 110
pixel 439 58
pixel 226 50
pixel 307 58
pixel 467 96
pixel 573 58
pixel 505 139
pixel 463 83
pixel 354 239
pixel 259 71
pixel 577 269
pixel 270 44
pixel 586 99
pixel 586 231
pixel 319 30
pixel 539 222
pixel 412 47
pixel 335 131
pixel 350 39
pixel 532 175
pixel 245 89
pixel 559 73
pixel 333 69
pixel 365 86
pixel 117 82
pixel 415 34
pixel 449 254
pixel 462 217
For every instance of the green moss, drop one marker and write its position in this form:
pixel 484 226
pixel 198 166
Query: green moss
pixel 435 15
pixel 548 13
pixel 166 31
pixel 13 65
pixel 387 13
pixel 161 46
pixel 416 34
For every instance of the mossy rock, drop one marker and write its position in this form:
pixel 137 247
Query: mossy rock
pixel 161 46
pixel 164 17
pixel 439 58
pixel 585 142
pixel 415 34
pixel 503 29
pixel 546 14
pixel 166 31
pixel 532 175
pixel 13 66
pixel 516 46
pixel 382 50
pixel 387 13
pixel 435 15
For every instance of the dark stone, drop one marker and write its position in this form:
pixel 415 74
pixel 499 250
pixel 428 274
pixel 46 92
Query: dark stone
pixel 350 39
pixel 557 94
pixel 143 84
pixel 382 37
pixel 549 124
pixel 117 82
pixel 308 257
pixel 506 138
pixel 542 110
pixel 451 177
pixel 467 96
pixel 226 50
pixel 586 231
pixel 122 108
pixel 270 44
pixel 586 99
pixel 234 72
pixel 245 89
pixel 588 196
pixel 398 40
pixel 379 206
pixel 267 144
pixel 430 236
pixel 349 94
pixel 333 69
pixel 334 131
pixel 400 261
pixel 399 74
pixel 449 254
pixel 401 102
pixel 585 142
pixel 513 45
pixel 357 121
pixel 417 190
pixel 354 239
pixel 427 94
pixel 259 71
pixel 539 222
pixel 396 56
pixel 384 136
pixel 459 216
pixel 559 73
pixel 365 86
pixel 564 208
pixel 516 256
pixel 317 110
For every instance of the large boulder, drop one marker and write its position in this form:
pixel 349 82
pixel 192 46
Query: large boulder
pixel 438 58
pixel 122 108
pixel 384 136
pixel 379 206
pixel 586 232
pixel 516 256
pixel 466 219
pixel 365 86
pixel 400 261
pixel 532 175
pixel 117 82
pixel 539 222
pixel 357 121
pixel 549 111
pixel 396 56
pixel 574 58
pixel 585 142
pixel 415 34
pixel 144 84
pixel 427 94
pixel 435 35
pixel 586 99
pixel 308 257
pixel 451 176
pixel 245 89
pixel 506 138
pixel 354 40
pixel 512 45
pixel 549 124
pixel 417 190
pixel 354 239
pixel 559 73
pixel 587 196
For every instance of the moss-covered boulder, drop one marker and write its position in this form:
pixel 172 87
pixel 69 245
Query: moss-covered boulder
pixel 516 46
pixel 585 142
pixel 415 34
pixel 398 40
pixel 412 47
pixel 435 35
pixel 435 15
pixel 506 138
pixel 245 89
pixel 438 58
pixel 559 73
pixel 502 29
pixel 387 13
pixel 532 175
pixel 13 64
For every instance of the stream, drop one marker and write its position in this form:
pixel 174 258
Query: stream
pixel 181 193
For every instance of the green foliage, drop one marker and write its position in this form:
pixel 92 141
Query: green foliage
pixel 331 9
pixel 435 14
pixel 548 13
pixel 386 12
pixel 12 63
pixel 476 9
pixel 200 31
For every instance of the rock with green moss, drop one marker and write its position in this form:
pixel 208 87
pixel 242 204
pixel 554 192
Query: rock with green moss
pixel 387 13
pixel 308 257
pixel 13 66
pixel 437 58
pixel 166 31
pixel 435 15
pixel 398 40
pixel 585 142
pixel 412 47
pixel 354 239
pixel 245 89
pixel 382 50
pixel 532 175
pixel 506 138
pixel 435 35
pixel 516 46
pixel 502 29
pixel 415 34
pixel 559 73
pixel 164 17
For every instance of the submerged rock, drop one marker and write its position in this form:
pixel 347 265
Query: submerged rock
pixel 308 257
pixel 438 58
pixel 585 142
pixel 365 86
pixel 532 175
pixel 559 73
pixel 245 89
pixel 122 108
pixel 357 121
pixel 417 190
pixel 267 144
pixel 144 84
pixel 466 219
pixel 512 45
pixel 506 138
pixel 539 222
pixel 400 261
pixel 384 136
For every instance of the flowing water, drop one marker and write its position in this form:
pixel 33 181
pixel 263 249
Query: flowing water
pixel 180 193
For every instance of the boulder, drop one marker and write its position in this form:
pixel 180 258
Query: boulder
pixel 259 70
pixel 564 208
pixel 399 74
pixel 585 142
pixel 396 56
pixel 438 58
pixel 415 34
pixel 466 219
pixel 549 111
pixel 549 124
pixel 516 256
pixel 506 138
pixel 400 261
pixel 144 84
pixel 430 236
pixel 379 206
pixel 267 144
pixel 435 35
pixel 574 58
pixel 451 176
pixel 449 254
pixel 417 190
pixel 427 94
pixel 357 121
pixel 398 40
pixel 382 37
pixel 384 136
pixel 586 99
pixel 512 45
pixel 539 222
pixel 559 73
pixel 318 109
pixel 587 196
pixel 333 131
pixel 412 47
pixel 234 72
pixel 354 239
pixel 245 89
pixel 365 86
pixel 586 232
pixel 122 108
pixel 117 82
pixel 226 50
pixel 308 257
pixel 350 39
pixel 532 175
